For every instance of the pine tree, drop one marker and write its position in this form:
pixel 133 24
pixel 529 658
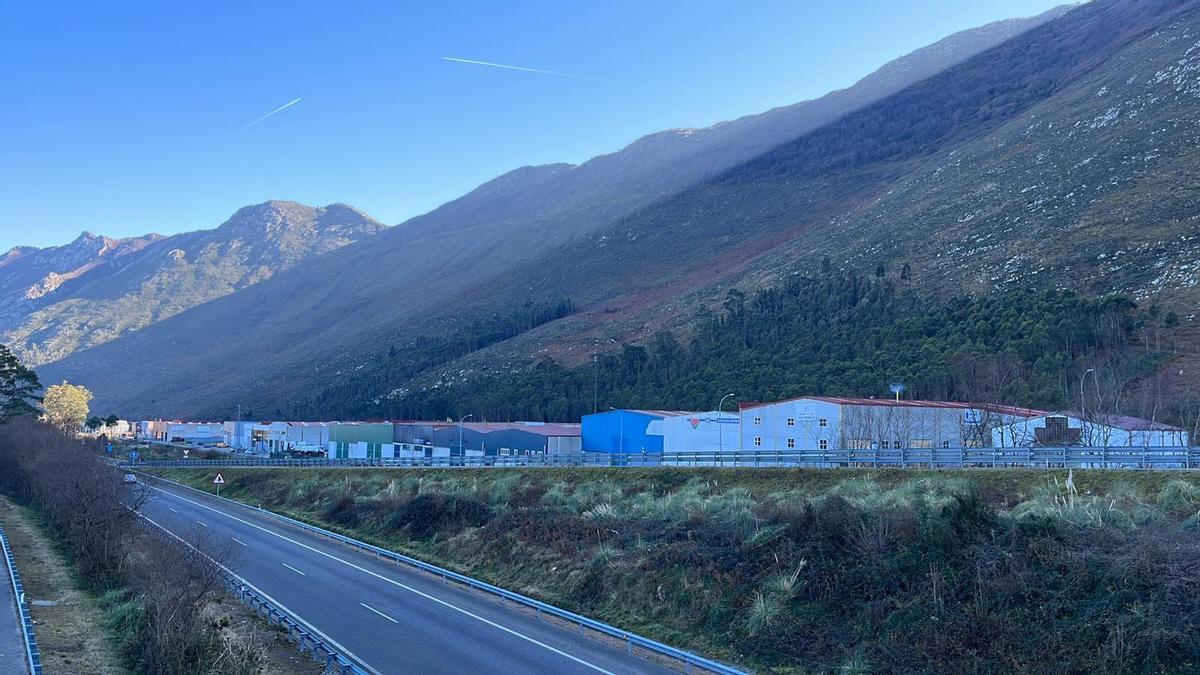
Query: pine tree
pixel 18 387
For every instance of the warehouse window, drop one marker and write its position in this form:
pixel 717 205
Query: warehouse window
pixel 791 442
pixel 758 440
pixel 823 422
pixel 823 444
pixel 883 445
pixel 791 421
pixel 757 421
pixel 945 444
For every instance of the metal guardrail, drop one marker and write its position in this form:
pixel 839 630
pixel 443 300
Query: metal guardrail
pixel 32 656
pixel 308 639
pixel 1165 458
pixel 631 640
pixel 489 461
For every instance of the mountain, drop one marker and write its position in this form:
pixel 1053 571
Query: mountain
pixel 55 301
pixel 1062 159
pixel 632 239
pixel 27 274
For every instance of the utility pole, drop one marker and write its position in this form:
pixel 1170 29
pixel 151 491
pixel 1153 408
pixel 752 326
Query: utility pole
pixel 595 383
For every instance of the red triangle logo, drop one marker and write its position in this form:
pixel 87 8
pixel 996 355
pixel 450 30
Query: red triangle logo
pixel 695 422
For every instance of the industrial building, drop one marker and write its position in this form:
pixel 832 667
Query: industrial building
pixel 509 439
pixel 627 431
pixel 361 440
pixel 414 439
pixel 829 423
pixel 308 435
pixel 237 434
pixel 196 433
pixel 1072 429
pixel 701 432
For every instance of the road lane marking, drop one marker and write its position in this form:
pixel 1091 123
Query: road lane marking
pixel 406 587
pixel 201 524
pixel 293 569
pixel 239 541
pixel 379 612
pixel 313 629
pixel 172 510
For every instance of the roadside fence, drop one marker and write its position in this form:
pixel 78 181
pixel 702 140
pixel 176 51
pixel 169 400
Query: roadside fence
pixel 1164 458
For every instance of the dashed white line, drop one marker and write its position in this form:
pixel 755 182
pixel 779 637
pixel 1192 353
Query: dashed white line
pixel 172 510
pixel 273 601
pixel 293 569
pixel 379 612
pixel 201 524
pixel 239 541
pixel 406 587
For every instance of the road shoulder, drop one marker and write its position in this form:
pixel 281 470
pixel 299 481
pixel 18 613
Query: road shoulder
pixel 69 622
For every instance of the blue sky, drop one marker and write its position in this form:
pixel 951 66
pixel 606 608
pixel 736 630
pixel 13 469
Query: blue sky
pixel 129 117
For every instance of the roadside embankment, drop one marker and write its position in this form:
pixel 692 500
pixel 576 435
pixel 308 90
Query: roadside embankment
pixel 805 570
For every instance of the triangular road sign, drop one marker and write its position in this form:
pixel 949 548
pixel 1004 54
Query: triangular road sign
pixel 219 480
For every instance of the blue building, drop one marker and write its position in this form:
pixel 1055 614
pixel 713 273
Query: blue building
pixel 626 431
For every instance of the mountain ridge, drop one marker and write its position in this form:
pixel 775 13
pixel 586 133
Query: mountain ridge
pixel 453 249
pixel 97 288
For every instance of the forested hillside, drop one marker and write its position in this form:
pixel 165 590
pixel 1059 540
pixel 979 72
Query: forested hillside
pixel 830 334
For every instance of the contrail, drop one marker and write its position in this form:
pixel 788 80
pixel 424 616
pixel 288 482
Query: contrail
pixel 520 68
pixel 285 105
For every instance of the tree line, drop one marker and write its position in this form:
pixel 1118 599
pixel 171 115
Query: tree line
pixel 843 334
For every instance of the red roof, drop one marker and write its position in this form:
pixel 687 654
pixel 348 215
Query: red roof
pixel 905 403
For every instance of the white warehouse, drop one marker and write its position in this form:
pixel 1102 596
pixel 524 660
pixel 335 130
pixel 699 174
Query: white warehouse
pixel 831 423
pixel 698 432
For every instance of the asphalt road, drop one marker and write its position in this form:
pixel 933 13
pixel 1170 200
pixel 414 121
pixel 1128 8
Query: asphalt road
pixel 12 644
pixel 393 618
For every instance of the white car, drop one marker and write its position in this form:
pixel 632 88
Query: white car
pixel 130 478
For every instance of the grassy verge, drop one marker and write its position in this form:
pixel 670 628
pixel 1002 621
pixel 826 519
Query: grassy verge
pixel 807 571
pixel 70 621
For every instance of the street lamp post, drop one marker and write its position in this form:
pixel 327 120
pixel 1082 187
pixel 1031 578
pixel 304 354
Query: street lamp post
pixel 1082 400
pixel 721 423
pixel 462 449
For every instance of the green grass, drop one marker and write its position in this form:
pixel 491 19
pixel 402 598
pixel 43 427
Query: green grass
pixel 805 570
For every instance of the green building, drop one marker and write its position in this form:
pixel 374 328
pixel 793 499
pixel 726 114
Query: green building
pixel 360 440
